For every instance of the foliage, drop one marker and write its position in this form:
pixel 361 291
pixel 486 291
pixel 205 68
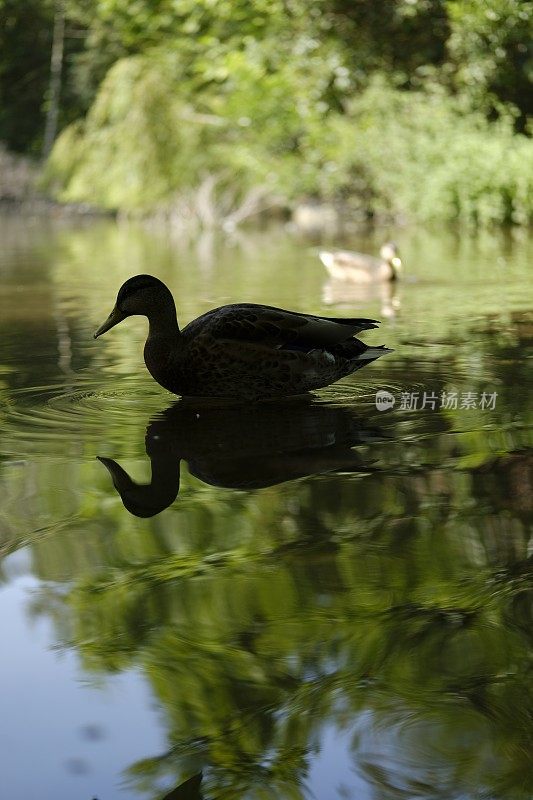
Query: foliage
pixel 26 33
pixel 390 153
pixel 135 147
pixel 276 96
pixel 418 154
pixel 492 47
pixel 402 38
pixel 25 40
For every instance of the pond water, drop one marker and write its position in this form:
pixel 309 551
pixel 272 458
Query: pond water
pixel 289 600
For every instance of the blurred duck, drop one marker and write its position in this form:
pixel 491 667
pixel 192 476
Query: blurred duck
pixel 243 351
pixel 361 268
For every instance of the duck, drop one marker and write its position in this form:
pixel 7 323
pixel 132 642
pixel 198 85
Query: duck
pixel 242 351
pixel 361 268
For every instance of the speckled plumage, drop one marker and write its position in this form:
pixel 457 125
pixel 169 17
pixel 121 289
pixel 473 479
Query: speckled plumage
pixel 242 351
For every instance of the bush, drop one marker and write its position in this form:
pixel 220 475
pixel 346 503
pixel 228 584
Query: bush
pixel 388 153
pixel 418 154
pixel 137 144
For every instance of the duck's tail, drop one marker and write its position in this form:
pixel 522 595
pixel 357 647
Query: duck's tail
pixel 371 353
pixel 327 258
pixel 336 271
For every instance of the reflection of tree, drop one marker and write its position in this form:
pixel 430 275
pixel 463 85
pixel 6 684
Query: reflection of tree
pixel 398 607
pixel 394 604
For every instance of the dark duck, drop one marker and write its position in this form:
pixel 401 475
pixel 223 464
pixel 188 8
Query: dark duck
pixel 241 351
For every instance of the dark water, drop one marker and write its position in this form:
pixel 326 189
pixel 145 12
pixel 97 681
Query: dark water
pixel 291 600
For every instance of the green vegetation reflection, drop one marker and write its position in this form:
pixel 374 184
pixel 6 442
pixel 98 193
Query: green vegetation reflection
pixel 398 594
pixel 385 596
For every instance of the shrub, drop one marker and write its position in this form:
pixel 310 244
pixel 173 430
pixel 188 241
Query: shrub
pixel 389 153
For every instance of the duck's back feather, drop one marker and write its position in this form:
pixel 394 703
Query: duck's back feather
pixel 349 258
pixel 275 327
pixel 357 267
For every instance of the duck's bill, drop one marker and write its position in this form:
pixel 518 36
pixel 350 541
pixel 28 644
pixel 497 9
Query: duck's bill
pixel 396 262
pixel 113 319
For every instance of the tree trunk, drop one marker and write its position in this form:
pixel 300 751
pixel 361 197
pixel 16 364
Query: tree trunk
pixel 54 86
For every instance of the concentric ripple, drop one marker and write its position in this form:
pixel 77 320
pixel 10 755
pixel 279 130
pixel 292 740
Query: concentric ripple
pixel 36 417
pixel 81 415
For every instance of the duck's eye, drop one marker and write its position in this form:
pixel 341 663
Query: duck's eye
pixel 132 291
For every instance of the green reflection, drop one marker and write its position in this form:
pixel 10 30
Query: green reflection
pixel 297 585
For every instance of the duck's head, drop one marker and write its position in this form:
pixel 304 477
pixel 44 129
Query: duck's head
pixel 142 294
pixel 389 253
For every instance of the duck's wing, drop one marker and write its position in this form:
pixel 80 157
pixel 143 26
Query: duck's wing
pixel 275 327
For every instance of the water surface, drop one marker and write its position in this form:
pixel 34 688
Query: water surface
pixel 292 600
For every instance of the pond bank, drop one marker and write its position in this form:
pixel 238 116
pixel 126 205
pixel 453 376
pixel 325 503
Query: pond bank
pixel 20 192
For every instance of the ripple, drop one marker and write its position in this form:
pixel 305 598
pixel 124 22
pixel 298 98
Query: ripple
pixel 363 392
pixel 85 411
pixel 74 416
pixel 43 414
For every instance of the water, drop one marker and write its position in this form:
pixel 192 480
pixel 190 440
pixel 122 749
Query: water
pixel 289 601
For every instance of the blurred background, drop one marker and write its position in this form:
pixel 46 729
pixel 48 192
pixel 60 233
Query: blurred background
pixel 218 111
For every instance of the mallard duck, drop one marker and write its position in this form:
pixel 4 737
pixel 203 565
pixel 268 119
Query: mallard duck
pixel 242 351
pixel 346 265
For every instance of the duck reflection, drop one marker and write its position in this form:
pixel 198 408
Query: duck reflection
pixel 338 293
pixel 241 448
